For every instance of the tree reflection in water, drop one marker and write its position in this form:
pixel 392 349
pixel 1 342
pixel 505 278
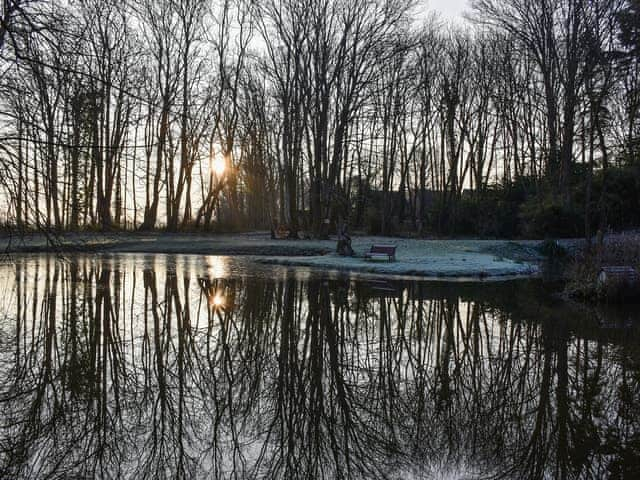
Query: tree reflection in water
pixel 121 368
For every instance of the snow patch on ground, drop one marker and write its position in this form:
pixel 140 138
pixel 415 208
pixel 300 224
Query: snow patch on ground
pixel 442 264
pixel 429 258
pixel 420 257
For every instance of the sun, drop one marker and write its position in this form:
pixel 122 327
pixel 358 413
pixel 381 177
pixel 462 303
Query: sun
pixel 218 300
pixel 219 166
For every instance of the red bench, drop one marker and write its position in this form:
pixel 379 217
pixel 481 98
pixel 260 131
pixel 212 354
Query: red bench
pixel 381 252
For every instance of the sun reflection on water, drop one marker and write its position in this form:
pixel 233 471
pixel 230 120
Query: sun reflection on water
pixel 217 267
pixel 217 301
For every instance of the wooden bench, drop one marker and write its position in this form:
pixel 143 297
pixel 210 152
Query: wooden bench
pixel 381 252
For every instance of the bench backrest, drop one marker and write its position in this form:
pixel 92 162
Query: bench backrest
pixel 386 249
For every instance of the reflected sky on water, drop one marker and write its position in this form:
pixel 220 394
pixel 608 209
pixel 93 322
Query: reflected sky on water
pixel 134 366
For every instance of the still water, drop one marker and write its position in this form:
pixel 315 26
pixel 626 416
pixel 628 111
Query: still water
pixel 150 367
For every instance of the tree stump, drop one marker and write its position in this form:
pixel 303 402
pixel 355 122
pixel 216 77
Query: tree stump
pixel 344 242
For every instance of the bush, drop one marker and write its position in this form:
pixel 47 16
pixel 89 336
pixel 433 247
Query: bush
pixel 583 273
pixel 373 219
pixel 622 196
pixel 547 216
pixel 527 207
pixel 488 216
pixel 552 249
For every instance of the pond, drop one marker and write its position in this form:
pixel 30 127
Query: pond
pixel 134 366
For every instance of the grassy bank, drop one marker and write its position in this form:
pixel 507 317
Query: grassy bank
pixel 586 264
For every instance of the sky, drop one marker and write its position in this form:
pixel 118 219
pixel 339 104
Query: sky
pixel 450 9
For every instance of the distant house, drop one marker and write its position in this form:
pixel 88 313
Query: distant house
pixel 399 201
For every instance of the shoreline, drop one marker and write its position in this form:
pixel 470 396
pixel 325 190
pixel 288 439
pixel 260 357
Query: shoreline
pixel 438 259
pixel 429 269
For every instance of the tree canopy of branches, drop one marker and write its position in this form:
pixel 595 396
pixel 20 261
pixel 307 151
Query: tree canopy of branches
pixel 233 114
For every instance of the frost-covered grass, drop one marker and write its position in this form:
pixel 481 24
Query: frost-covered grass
pixel 432 258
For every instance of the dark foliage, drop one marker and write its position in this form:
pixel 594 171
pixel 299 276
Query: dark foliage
pixel 528 209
